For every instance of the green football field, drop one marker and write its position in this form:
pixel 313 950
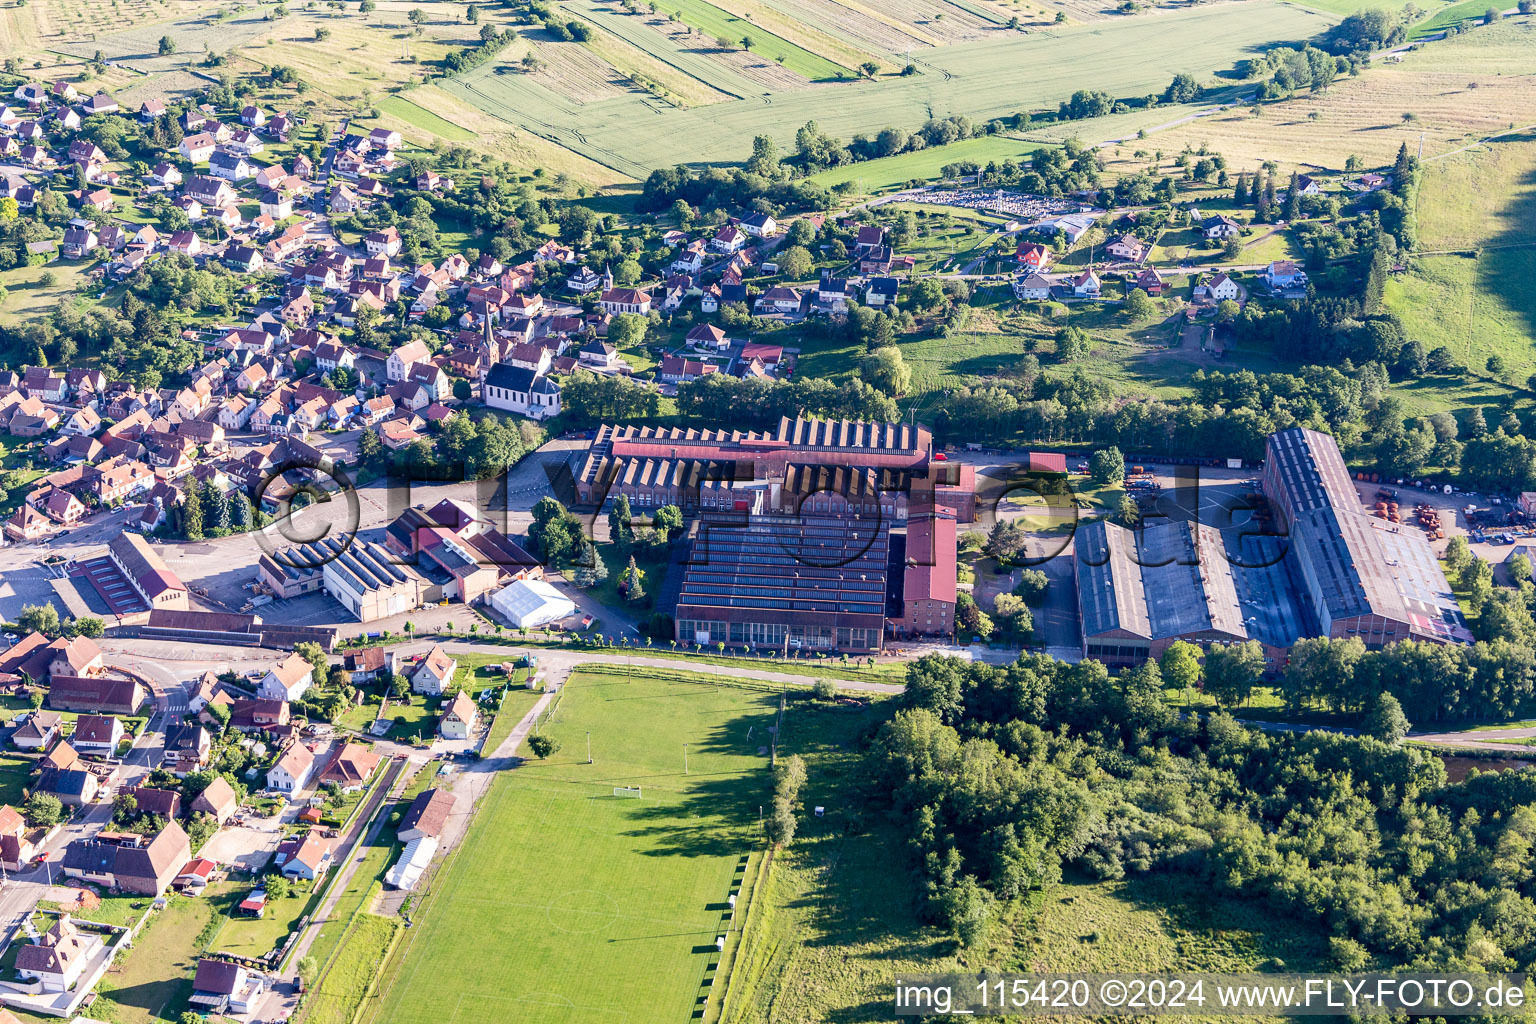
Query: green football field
pixel 568 904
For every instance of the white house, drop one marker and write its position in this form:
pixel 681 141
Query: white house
pixel 1218 288
pixel 287 680
pixel 406 356
pixel 292 771
pixel 1031 286
pixel 434 673
pixel 1283 275
pixel 459 719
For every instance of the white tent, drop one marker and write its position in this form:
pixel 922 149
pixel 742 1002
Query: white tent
pixel 418 853
pixel 531 603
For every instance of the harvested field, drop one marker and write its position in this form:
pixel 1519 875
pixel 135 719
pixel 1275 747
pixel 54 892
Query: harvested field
pixel 796 29
pixel 1364 116
pixel 637 65
pixel 869 27
pixel 571 69
pixel 689 54
pixel 943 20
pixel 762 74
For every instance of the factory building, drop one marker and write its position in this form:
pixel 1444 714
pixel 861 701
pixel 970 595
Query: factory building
pixel 787 583
pixel 804 466
pixel 1327 568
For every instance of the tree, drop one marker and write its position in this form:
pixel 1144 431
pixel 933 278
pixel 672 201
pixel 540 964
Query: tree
pixel 1180 665
pixel 42 810
pixel 318 662
pixel 1013 617
pixel 278 886
pixel 39 618
pixel 824 689
pixel 1106 466
pixel 632 582
pixel 543 746
pixel 1183 89
pixel 1072 344
pixel 1227 310
pixel 620 525
pixel 1491 16
pixel 1032 586
pixel 1386 720
pixel 167 46
pixel 1137 304
pixel 886 370
pixel 668 519
pixel 89 626
pixel 322 34
pixel 1458 553
pixel 1232 671
pixel 795 264
pixel 192 515
pixel 417 16
pixel 1129 513
pixel 125 807
pixel 220 714
pixel 970 619
pixel 746 42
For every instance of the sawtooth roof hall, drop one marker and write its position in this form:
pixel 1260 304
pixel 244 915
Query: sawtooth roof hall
pixel 1340 572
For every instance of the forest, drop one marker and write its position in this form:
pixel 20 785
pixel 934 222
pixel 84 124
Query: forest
pixel 1001 778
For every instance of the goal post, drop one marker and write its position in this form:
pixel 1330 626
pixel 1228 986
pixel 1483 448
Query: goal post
pixel 630 791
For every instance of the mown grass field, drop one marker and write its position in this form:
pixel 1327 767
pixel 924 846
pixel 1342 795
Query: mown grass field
pixel 412 115
pixel 983 78
pixel 894 171
pixel 1476 301
pixel 566 903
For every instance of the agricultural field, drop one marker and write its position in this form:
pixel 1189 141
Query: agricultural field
pixel 572 904
pixel 1363 116
pixel 983 77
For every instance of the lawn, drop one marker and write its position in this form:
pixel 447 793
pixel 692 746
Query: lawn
pixel 357 897
pixel 15 775
pixel 29 297
pixel 255 937
pixel 154 980
pixel 653 572
pixel 1476 300
pixel 895 171
pixel 516 704
pixel 566 903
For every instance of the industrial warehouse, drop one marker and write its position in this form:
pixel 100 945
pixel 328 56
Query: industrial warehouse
pixel 803 466
pixel 1330 569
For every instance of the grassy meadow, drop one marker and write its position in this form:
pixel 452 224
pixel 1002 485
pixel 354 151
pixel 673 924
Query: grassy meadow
pixel 568 903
